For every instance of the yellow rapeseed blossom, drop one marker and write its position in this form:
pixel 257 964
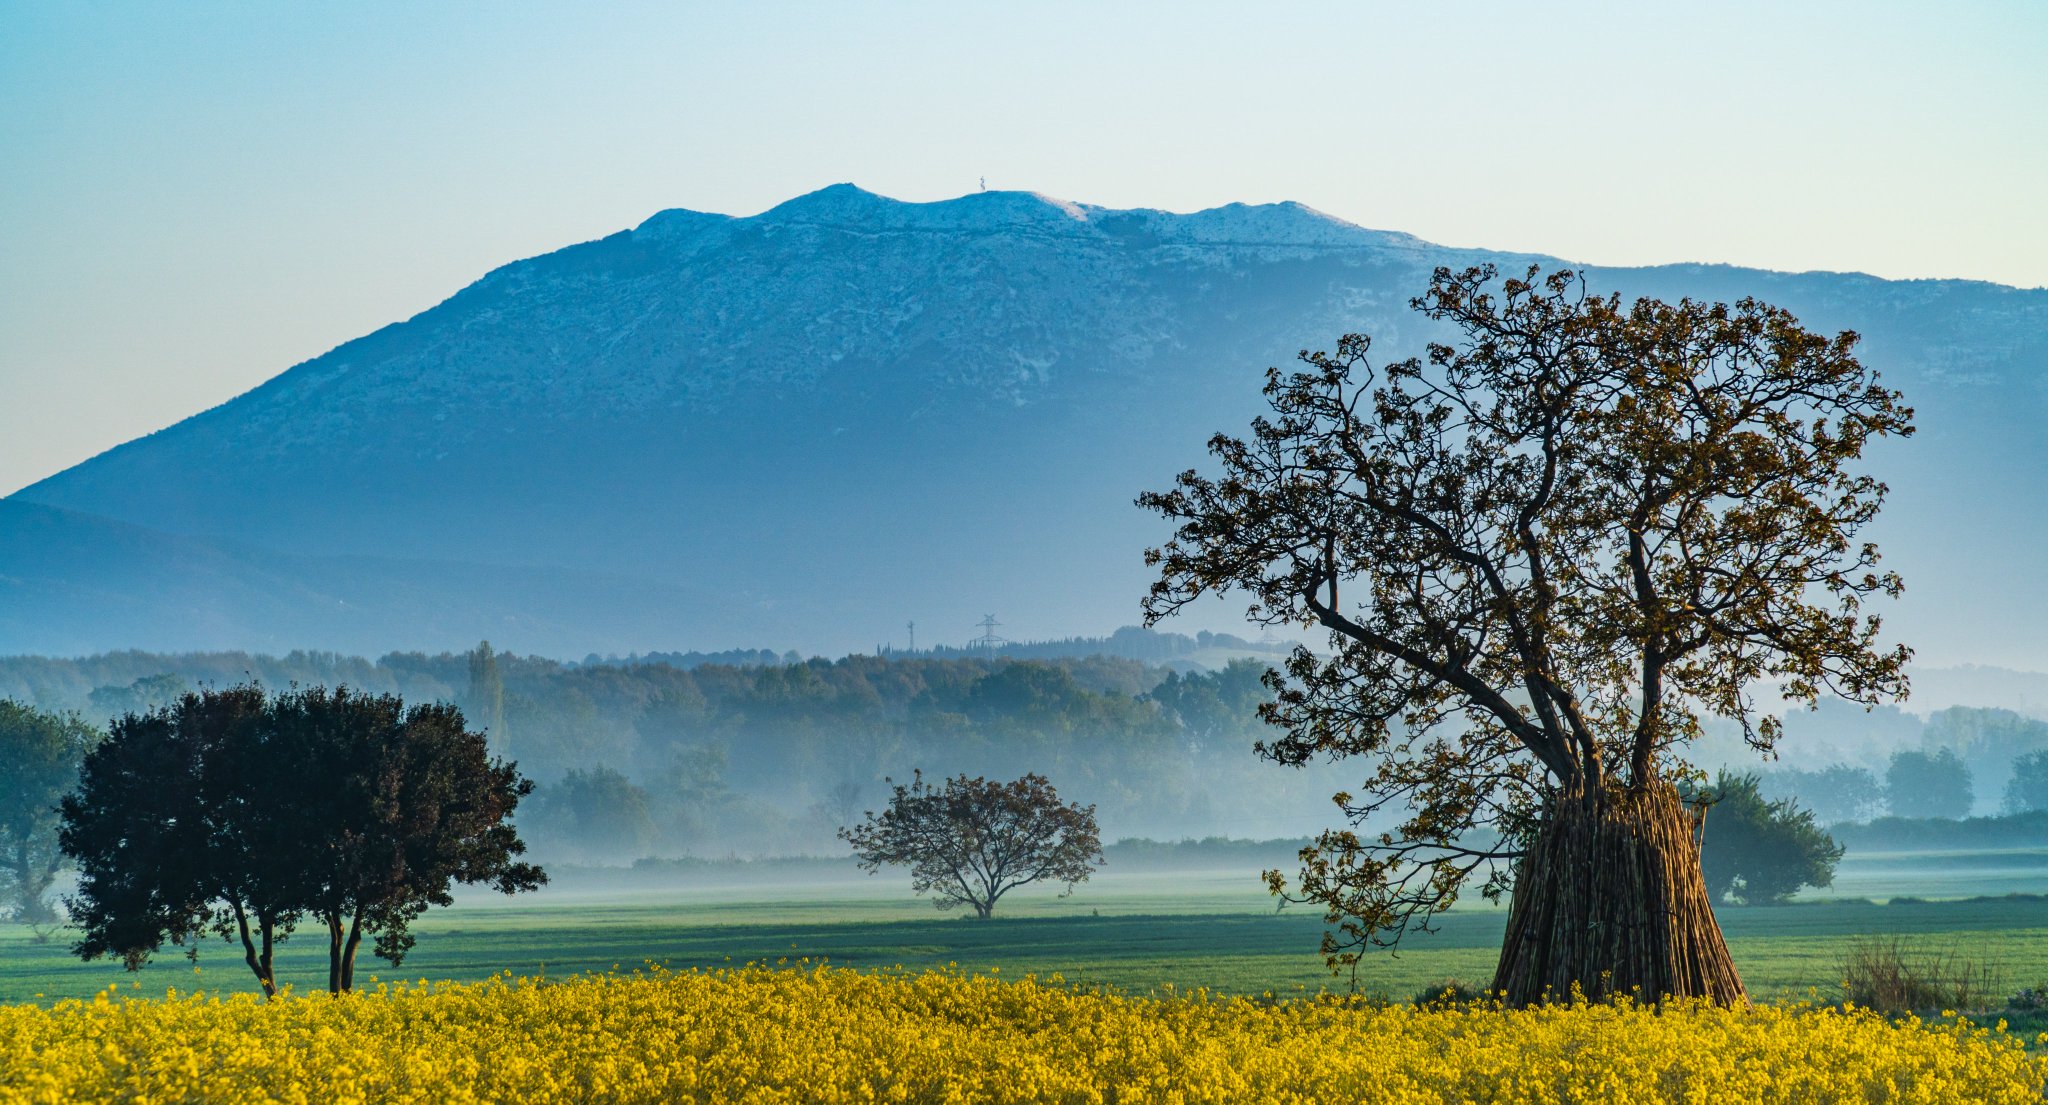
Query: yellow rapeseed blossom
pixel 816 1034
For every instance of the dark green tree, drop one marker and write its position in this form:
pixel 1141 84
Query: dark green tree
pixel 1757 851
pixel 181 825
pixel 237 813
pixel 1543 556
pixel 40 757
pixel 971 841
pixel 409 803
pixel 1929 784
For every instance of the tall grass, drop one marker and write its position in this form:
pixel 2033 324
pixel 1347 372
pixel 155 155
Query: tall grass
pixel 1885 973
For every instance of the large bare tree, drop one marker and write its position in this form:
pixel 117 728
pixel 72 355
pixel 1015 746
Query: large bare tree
pixel 1545 553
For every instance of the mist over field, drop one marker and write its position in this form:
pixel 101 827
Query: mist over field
pixel 753 754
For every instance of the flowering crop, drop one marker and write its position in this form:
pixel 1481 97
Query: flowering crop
pixel 816 1034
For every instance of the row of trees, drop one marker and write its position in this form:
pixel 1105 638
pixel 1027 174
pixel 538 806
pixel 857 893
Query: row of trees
pixel 242 813
pixel 641 758
pixel 1937 784
pixel 968 843
pixel 790 752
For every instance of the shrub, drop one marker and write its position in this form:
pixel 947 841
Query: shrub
pixel 1449 992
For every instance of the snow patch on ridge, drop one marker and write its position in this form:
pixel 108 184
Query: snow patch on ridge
pixel 678 224
pixel 850 207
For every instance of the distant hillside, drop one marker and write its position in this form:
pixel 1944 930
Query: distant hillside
pixel 818 423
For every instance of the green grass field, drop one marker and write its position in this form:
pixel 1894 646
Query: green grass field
pixel 1134 931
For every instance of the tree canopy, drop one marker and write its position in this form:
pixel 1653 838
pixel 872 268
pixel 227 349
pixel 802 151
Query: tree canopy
pixel 2028 789
pixel 1929 784
pixel 408 802
pixel 1543 554
pixel 239 813
pixel 1760 851
pixel 971 841
pixel 177 830
pixel 1835 793
pixel 40 754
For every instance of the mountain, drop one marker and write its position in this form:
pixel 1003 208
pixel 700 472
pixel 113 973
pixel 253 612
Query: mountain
pixel 811 425
pixel 71 583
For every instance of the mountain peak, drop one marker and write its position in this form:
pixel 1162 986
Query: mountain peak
pixel 851 206
pixel 847 206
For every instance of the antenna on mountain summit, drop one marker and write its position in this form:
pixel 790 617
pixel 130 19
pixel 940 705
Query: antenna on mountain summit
pixel 913 636
pixel 988 638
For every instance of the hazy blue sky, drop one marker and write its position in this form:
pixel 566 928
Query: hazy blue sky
pixel 195 196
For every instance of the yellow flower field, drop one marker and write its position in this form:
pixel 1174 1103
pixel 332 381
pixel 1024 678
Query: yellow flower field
pixel 814 1034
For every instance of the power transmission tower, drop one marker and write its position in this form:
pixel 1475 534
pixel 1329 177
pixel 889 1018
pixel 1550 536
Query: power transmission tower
pixel 988 638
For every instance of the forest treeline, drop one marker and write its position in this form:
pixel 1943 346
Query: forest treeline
pixel 754 752
pixel 637 758
pixel 1853 765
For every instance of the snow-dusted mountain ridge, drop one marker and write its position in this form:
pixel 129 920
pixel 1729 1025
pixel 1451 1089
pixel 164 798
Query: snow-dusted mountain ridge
pixel 804 427
pixel 850 207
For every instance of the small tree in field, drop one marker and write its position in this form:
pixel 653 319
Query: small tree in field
pixel 1759 851
pixel 1543 555
pixel 972 841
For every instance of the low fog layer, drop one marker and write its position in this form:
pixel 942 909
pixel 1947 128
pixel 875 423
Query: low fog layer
pixel 755 753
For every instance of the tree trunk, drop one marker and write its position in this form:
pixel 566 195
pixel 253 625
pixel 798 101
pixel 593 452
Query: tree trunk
pixel 1610 898
pixel 335 941
pixel 348 952
pixel 32 883
pixel 261 963
pixel 30 907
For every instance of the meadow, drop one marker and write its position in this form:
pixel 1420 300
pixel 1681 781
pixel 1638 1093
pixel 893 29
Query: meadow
pixel 1135 931
pixel 807 982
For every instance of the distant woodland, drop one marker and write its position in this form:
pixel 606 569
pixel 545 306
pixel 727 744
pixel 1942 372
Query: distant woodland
pixel 753 753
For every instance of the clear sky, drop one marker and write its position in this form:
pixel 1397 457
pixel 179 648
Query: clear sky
pixel 195 196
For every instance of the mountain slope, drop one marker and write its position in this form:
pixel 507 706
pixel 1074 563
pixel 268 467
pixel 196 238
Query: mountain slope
pixel 810 425
pixel 75 583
